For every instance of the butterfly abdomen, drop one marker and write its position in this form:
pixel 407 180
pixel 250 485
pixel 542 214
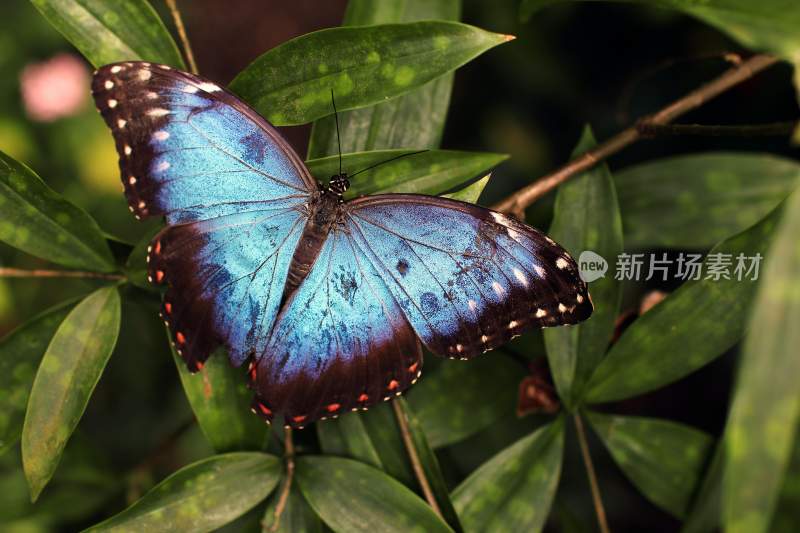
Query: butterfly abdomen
pixel 324 210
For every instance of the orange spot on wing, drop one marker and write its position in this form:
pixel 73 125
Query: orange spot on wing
pixel 298 419
pixel 159 275
pixel 157 248
pixel 363 398
pixel 180 338
pixel 168 308
pixel 393 384
pixel 333 407
pixel 264 409
pixel 200 365
pixel 413 368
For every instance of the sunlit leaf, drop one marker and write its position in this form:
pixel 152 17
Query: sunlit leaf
pixel 350 496
pixel 414 120
pixel 67 375
pixel 21 351
pixel 202 496
pixel 37 220
pixel 586 217
pixel 107 31
pixel 691 327
pixel 701 199
pixel 292 83
pixel 513 491
pixel 220 400
pixel 472 192
pixel 461 398
pixel 663 459
pixel 765 414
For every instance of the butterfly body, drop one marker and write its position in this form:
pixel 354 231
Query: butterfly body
pixel 325 302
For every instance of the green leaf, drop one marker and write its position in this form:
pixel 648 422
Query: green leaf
pixel 20 354
pixel 348 436
pixel 37 220
pixel 586 218
pixel 513 491
pixel 70 369
pixel 292 83
pixel 691 327
pixel 220 400
pixel 784 519
pixel 705 515
pixel 766 25
pixel 429 464
pixel 297 515
pixel 461 398
pixel 701 199
pixel 414 120
pixel 350 496
pixel 107 32
pixel 201 496
pixel 663 459
pixel 765 413
pixel 471 193
pixel 431 172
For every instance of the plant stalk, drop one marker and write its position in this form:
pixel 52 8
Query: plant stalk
pixel 21 273
pixel 283 497
pixel 599 510
pixel 187 48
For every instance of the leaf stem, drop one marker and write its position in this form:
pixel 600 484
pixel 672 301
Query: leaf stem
pixel 187 48
pixel 777 129
pixel 599 510
pixel 21 273
pixel 413 456
pixel 287 484
pixel 516 203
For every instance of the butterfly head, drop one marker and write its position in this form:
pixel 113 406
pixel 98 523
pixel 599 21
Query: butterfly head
pixel 339 184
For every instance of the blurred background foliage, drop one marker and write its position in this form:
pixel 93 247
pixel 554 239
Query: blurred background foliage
pixel 572 64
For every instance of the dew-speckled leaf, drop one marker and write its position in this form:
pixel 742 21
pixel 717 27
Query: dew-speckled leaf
pixel 472 192
pixel 430 465
pixel 297 515
pixel 352 497
pixel 513 491
pixel 220 400
pixel 699 200
pixel 663 459
pixel 765 413
pixel 20 354
pixel 432 172
pixel 67 375
pixel 586 217
pixel 292 83
pixel 37 220
pixel 371 437
pixel 414 120
pixel 763 25
pixel 201 496
pixel 107 31
pixel 688 329
pixel 461 398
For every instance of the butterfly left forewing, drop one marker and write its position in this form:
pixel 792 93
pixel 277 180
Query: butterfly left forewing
pixel 468 279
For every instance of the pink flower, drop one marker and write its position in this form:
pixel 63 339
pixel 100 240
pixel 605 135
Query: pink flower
pixel 55 88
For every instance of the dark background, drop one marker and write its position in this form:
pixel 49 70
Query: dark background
pixel 596 63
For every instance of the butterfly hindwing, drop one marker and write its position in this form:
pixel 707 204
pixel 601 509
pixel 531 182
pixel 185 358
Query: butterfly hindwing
pixel 467 279
pixel 191 150
pixel 341 342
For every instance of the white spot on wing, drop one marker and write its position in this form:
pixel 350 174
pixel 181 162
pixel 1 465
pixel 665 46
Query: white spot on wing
pixel 561 263
pixel 484 338
pixel 191 89
pixel 541 313
pixel 209 87
pixel 513 324
pixel 500 218
pixel 109 84
pixel 164 165
pixel 115 69
pixel 121 123
pixel 520 276
pixel 579 299
pixel 161 135
pixel 132 181
pixel 141 204
pixel 562 308
pixel 498 288
pixel 152 95
pixel 548 239
pixel 472 304
pixel 145 75
pixel 158 112
pixel 112 103
pixel 127 150
pixel 539 271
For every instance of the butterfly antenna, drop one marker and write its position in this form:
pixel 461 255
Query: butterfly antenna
pixel 388 161
pixel 338 137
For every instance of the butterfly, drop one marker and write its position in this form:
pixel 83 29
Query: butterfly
pixel 326 302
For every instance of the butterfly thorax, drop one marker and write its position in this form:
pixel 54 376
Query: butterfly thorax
pixel 325 209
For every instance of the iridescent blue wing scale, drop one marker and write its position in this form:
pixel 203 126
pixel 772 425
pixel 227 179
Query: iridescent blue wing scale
pixel 233 193
pixel 341 343
pixel 467 279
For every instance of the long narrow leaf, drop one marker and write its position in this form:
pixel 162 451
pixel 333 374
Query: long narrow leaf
pixel 586 218
pixel 69 372
pixel 107 32
pixel 202 496
pixel 37 220
pixel 292 83
pixel 765 414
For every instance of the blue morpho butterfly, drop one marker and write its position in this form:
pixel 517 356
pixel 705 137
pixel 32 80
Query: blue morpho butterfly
pixel 325 300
